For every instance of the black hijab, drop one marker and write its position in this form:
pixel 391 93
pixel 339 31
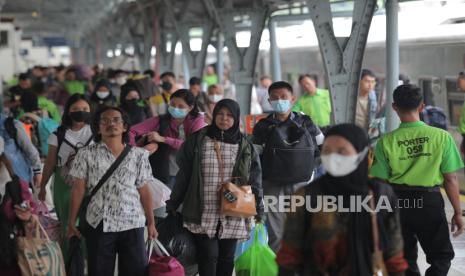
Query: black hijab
pixel 356 183
pixel 232 135
pixel 101 83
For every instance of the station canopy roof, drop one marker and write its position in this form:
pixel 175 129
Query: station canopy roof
pixel 53 22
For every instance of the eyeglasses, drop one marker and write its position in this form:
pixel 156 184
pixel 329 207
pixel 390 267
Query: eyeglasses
pixel 107 121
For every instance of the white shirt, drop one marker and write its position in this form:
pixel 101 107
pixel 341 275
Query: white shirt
pixel 117 203
pixel 77 138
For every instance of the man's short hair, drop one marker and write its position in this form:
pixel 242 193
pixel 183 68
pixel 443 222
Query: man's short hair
pixel 168 74
pixel 407 97
pixel 301 77
pixel 462 74
pixel 367 72
pixel 280 85
pixel 24 76
pixel 195 81
pixel 150 73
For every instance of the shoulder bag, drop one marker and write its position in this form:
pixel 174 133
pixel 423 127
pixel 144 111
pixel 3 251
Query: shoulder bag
pixel 83 225
pixel 235 201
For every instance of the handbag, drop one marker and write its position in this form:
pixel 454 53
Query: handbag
pixel 38 255
pixel 235 201
pixel 51 225
pixel 161 263
pixel 379 267
pixel 83 225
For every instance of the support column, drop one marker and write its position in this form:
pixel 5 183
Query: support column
pixel 155 36
pixel 164 56
pixel 195 59
pixel 274 51
pixel 243 60
pixel 220 57
pixel 342 56
pixel 185 68
pixel 392 61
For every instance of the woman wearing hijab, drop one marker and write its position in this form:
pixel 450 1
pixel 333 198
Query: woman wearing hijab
pixel 130 101
pixel 198 182
pixel 342 243
pixel 102 96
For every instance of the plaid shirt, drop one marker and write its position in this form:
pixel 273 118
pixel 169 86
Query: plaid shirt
pixel 230 227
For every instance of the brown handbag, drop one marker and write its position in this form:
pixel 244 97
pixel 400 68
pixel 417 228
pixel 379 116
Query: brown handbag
pixel 379 268
pixel 235 201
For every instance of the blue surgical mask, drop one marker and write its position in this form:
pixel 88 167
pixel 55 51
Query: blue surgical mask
pixel 177 113
pixel 281 106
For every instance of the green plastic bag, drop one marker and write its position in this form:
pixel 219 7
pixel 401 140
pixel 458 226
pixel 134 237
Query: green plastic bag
pixel 258 260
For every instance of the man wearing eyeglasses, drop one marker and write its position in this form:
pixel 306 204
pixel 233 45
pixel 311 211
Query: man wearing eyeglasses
pixel 122 206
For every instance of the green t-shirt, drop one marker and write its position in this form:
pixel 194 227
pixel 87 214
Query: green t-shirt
pixel 416 154
pixel 210 79
pixel 318 107
pixel 75 87
pixel 51 108
pixel 461 128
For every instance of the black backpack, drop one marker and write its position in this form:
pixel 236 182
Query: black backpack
pixel 434 116
pixel 159 159
pixel 289 151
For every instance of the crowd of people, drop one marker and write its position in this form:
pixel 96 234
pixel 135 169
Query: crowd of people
pixel 101 139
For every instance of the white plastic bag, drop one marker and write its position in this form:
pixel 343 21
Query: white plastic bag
pixel 160 193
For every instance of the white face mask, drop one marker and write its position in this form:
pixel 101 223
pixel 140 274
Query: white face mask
pixel 102 95
pixel 121 80
pixel 215 98
pixel 339 165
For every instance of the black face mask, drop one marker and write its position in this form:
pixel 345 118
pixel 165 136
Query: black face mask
pixel 166 86
pixel 132 104
pixel 80 116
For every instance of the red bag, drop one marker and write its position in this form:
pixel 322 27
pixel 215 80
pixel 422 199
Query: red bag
pixel 161 263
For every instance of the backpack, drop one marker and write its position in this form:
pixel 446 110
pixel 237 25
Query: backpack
pixel 289 151
pixel 159 159
pixel 41 130
pixel 66 167
pixel 434 116
pixel 45 127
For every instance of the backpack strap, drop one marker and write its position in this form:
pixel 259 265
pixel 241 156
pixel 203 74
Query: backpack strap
pixel 11 129
pixel 163 123
pixel 60 134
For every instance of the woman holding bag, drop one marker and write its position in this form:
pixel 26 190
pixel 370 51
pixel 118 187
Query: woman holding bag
pixel 198 182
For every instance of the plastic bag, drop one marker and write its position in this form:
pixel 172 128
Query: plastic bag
pixel 177 239
pixel 259 259
pixel 243 246
pixel 160 193
pixel 75 262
